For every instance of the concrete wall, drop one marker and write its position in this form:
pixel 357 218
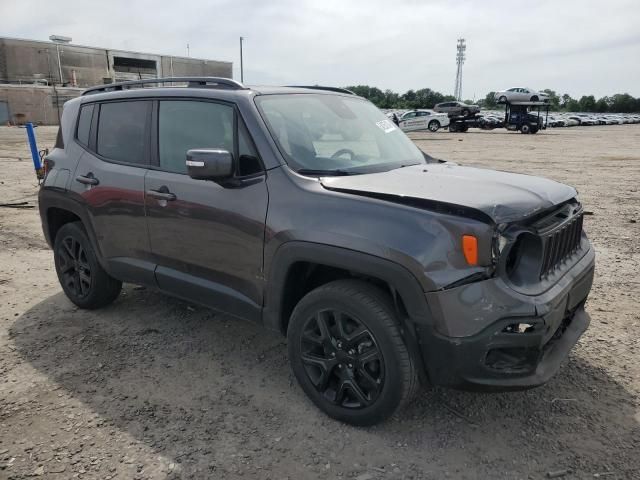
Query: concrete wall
pixel 22 60
pixel 37 104
pixel 27 66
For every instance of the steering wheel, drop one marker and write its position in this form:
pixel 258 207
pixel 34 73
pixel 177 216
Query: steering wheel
pixel 341 152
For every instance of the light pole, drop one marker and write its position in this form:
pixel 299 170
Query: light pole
pixel 58 40
pixel 241 66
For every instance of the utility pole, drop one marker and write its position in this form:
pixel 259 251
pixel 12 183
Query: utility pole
pixel 241 65
pixel 461 49
pixel 188 50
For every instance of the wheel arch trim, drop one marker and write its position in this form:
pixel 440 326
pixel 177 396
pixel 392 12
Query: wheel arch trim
pixel 290 253
pixel 50 198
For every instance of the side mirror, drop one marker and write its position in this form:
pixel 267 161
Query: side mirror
pixel 209 164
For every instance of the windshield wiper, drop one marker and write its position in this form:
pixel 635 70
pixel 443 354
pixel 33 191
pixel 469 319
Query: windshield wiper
pixel 334 173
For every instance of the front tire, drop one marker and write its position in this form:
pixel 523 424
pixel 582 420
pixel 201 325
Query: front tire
pixel 502 99
pixel 346 351
pixel 81 276
pixel 525 128
pixel 534 98
pixel 434 125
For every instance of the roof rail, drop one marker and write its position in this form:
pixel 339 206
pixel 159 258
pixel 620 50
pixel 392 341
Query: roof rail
pixel 320 87
pixel 194 82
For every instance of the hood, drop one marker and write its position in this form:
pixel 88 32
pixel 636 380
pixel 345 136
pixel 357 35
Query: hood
pixel 489 195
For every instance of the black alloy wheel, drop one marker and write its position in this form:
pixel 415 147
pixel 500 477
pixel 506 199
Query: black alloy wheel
pixel 347 352
pixel 74 268
pixel 81 276
pixel 342 359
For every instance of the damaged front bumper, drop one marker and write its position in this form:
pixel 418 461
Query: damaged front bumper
pixel 486 336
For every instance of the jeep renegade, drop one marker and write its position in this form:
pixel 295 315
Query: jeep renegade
pixel 307 210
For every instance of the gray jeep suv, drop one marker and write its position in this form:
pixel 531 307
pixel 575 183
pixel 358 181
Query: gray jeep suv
pixel 308 211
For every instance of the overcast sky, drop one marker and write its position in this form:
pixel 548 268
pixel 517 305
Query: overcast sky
pixel 575 47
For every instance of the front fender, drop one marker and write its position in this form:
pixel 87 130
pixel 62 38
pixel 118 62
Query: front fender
pixel 292 252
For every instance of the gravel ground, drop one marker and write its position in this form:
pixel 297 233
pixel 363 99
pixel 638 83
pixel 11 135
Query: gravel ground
pixel 152 387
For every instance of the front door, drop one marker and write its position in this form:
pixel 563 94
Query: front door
pixel 206 237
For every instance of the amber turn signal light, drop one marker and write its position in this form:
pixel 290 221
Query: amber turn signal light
pixel 470 249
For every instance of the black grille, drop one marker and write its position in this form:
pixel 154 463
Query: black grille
pixel 561 243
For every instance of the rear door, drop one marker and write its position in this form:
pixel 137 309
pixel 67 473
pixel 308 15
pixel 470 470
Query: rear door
pixel 206 238
pixel 109 180
pixel 411 121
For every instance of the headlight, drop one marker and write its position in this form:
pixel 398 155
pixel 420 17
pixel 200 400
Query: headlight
pixel 524 259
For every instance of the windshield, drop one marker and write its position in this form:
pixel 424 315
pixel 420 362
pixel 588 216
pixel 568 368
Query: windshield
pixel 335 134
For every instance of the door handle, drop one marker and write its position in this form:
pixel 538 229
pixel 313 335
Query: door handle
pixel 162 193
pixel 87 179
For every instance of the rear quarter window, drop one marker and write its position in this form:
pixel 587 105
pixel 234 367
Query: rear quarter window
pixel 84 124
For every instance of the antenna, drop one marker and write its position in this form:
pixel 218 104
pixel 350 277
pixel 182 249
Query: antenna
pixel 461 49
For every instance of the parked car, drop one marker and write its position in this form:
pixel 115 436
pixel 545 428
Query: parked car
pixel 489 122
pixel 457 109
pixel 421 119
pixel 554 121
pixel 310 212
pixel 519 94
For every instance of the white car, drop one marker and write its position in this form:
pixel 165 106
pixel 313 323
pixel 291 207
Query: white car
pixel 519 94
pixel 423 120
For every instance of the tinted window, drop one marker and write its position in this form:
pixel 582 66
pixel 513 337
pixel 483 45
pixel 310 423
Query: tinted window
pixel 84 124
pixel 183 125
pixel 121 131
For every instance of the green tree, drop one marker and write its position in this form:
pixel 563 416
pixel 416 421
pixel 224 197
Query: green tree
pixel 554 99
pixel 602 105
pixel 564 100
pixel 587 103
pixel 489 101
pixel 572 105
pixel 623 103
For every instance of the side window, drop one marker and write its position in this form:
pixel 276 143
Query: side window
pixel 121 131
pixel 187 124
pixel 408 115
pixel 84 124
pixel 248 160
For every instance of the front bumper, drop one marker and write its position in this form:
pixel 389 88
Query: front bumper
pixel 517 341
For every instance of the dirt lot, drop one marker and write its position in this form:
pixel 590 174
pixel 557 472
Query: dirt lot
pixel 152 387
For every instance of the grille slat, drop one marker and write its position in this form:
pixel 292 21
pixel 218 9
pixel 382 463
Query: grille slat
pixel 560 244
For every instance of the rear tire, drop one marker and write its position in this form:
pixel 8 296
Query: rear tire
pixel 434 125
pixel 81 276
pixel 502 99
pixel 346 350
pixel 525 128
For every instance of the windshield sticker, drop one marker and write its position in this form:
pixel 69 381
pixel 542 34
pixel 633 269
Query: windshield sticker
pixel 386 126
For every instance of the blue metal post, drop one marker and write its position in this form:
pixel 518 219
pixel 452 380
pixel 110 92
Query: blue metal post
pixel 34 148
